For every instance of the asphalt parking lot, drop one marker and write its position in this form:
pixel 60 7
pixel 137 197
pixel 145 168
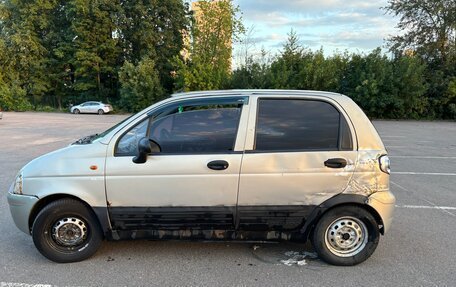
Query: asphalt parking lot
pixel 419 250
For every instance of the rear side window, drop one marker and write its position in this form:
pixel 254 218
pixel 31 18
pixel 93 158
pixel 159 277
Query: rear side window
pixel 294 124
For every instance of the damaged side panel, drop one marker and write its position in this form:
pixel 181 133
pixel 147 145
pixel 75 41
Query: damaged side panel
pixel 367 177
pixel 210 223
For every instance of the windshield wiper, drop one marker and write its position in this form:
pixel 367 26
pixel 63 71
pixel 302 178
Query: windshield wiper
pixel 86 140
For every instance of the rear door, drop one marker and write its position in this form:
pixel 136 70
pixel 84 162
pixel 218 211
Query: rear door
pixel 283 174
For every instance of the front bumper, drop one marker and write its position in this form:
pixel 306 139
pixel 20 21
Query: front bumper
pixel 383 202
pixel 21 206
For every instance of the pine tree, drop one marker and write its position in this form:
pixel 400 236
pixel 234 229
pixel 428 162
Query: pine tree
pixel 96 51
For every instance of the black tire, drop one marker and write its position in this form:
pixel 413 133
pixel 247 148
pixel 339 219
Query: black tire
pixel 71 215
pixel 330 241
pixel 100 112
pixel 76 111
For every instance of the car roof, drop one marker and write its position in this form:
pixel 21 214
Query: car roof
pixel 248 92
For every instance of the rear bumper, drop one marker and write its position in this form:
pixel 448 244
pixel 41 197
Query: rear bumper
pixel 383 202
pixel 21 206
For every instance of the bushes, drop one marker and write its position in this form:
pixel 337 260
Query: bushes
pixel 385 88
pixel 140 85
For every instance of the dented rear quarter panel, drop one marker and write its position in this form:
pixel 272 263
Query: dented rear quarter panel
pixel 367 177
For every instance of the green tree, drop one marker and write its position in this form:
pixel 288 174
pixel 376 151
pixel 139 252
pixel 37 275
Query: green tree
pixel 12 95
pixel 451 97
pixel 153 29
pixel 140 85
pixel 23 27
pixel 430 33
pixel 409 88
pixel 214 28
pixel 285 69
pixel 96 52
pixel 300 68
pixel 368 81
pixel 429 25
pixel 60 46
pixel 254 74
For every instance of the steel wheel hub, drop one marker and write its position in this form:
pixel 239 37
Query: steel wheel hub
pixel 346 236
pixel 69 231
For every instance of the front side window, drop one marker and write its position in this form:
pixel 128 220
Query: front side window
pixel 128 144
pixel 197 129
pixel 191 128
pixel 294 124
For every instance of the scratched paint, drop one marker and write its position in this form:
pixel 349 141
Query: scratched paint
pixel 367 177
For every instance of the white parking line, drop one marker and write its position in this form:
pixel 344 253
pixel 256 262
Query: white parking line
pixel 423 173
pixel 420 146
pixel 422 157
pixel 11 284
pixel 426 207
pixel 435 206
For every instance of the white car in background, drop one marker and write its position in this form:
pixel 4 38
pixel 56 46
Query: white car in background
pixel 91 108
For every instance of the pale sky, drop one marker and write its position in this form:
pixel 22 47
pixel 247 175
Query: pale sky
pixel 335 25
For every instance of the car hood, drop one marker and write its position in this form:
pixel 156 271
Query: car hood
pixel 73 160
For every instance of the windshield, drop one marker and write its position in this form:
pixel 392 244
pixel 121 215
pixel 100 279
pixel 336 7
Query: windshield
pixel 91 138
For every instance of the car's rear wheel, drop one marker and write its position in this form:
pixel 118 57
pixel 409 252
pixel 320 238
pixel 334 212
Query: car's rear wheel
pixel 346 235
pixel 76 111
pixel 66 231
pixel 100 112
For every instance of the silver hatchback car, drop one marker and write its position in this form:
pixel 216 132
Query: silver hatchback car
pixel 256 165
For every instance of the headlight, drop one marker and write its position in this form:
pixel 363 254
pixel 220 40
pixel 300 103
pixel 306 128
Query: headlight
pixel 17 189
pixel 384 162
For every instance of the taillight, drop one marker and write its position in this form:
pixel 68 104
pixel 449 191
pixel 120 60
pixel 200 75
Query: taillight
pixel 385 164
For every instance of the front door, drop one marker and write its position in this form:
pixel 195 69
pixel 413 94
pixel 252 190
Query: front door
pixel 85 107
pixel 192 184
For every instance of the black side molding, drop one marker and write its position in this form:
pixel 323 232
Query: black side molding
pixel 103 217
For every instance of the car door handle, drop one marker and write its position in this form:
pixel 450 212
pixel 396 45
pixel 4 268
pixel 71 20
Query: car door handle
pixel 336 162
pixel 218 164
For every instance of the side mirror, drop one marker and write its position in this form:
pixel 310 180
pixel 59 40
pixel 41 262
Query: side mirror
pixel 145 147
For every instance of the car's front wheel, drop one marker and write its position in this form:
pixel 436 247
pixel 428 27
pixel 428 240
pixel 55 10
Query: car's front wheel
pixel 66 231
pixel 346 235
pixel 100 112
pixel 76 111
